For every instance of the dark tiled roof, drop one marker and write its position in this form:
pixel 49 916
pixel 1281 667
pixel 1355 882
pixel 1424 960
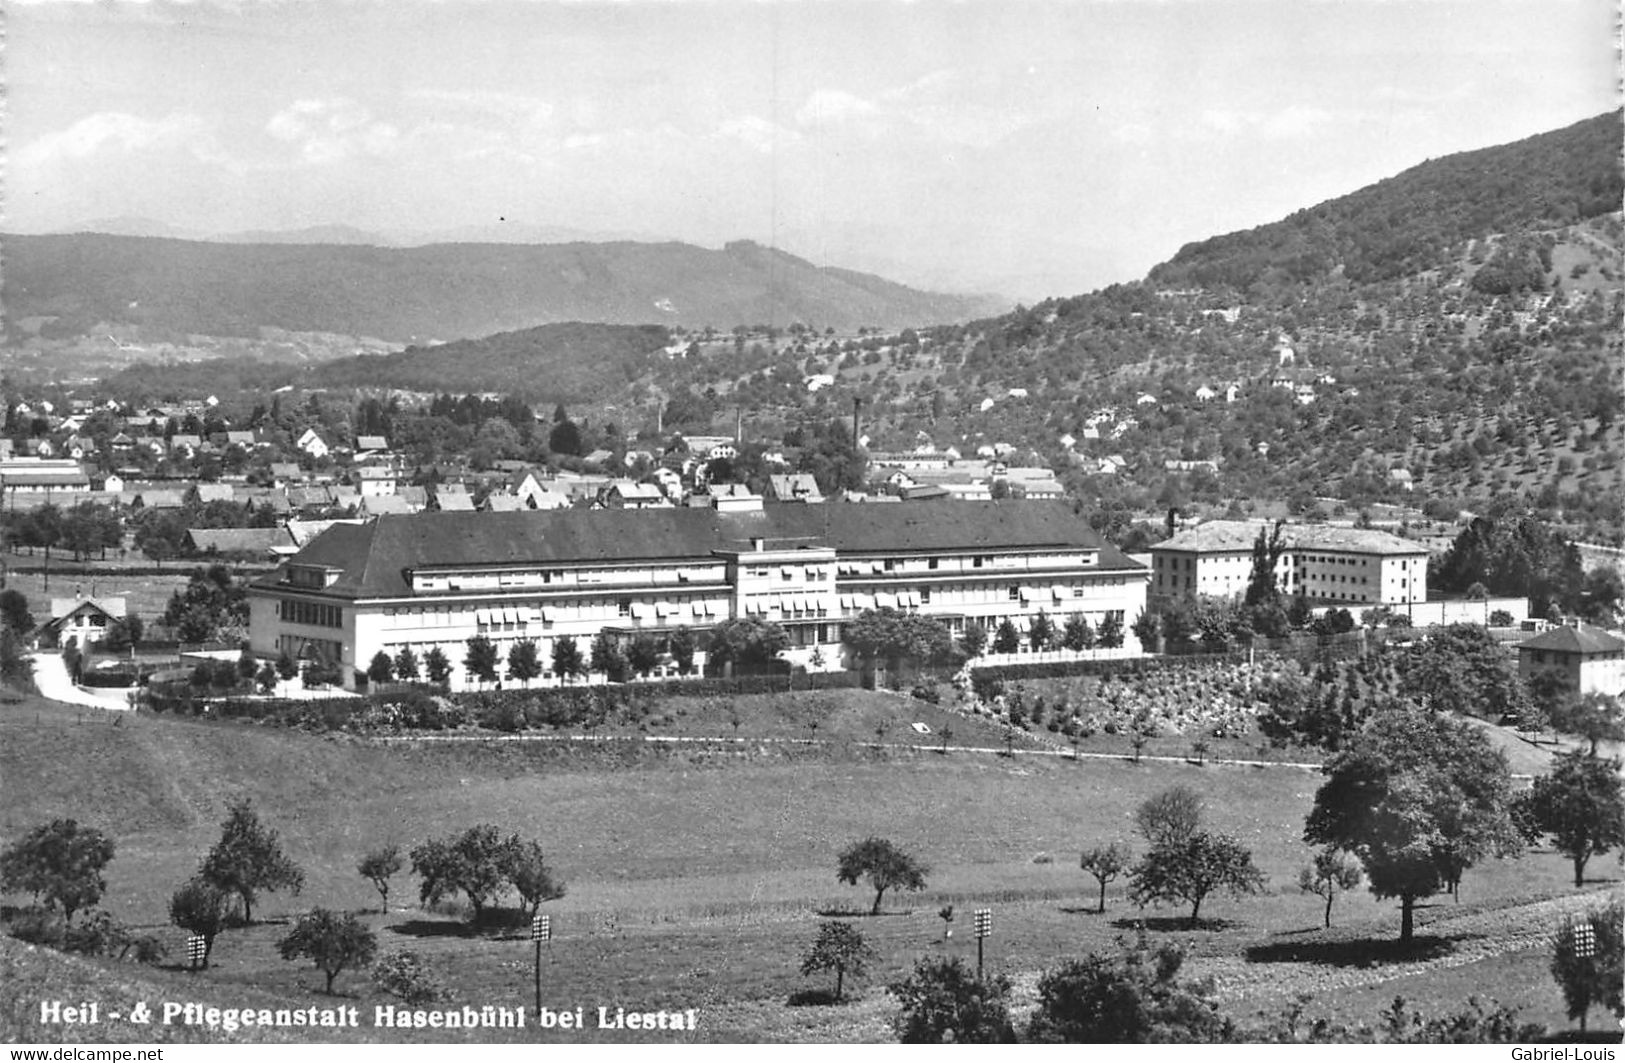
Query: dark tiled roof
pixel 1574 640
pixel 375 557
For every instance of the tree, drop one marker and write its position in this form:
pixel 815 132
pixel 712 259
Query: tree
pixel 524 662
pixel 378 867
pixel 1133 998
pixel 1077 634
pixel 567 662
pixel 1039 631
pixel 248 859
pixel 839 947
pixel 1006 639
pixel 1105 862
pixel 200 907
pixel 123 634
pixel 480 659
pixel 436 666
pixel 1333 872
pixel 1169 817
pixel 1595 717
pixel 643 654
pixel 974 640
pixel 1418 798
pixel 682 650
pixel 331 941
pixel 1263 589
pixel 943 1000
pixel 1463 669
pixel 286 666
pixel 1189 870
pixel 266 677
pixel 381 669
pixel 60 863
pixel 474 863
pixel 16 666
pixel 605 656
pixel 747 641
pixel 526 869
pixel 14 611
pixel 406 665
pixel 887 634
pixel 1594 974
pixel 1581 804
pixel 1110 634
pixel 883 865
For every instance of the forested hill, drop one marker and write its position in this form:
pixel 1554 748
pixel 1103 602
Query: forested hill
pixel 169 289
pixel 1411 222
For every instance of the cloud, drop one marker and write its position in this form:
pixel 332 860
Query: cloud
pixel 507 106
pixel 826 107
pixel 756 133
pixel 1283 124
pixel 327 131
pixel 114 130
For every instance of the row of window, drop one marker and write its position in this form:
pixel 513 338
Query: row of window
pixel 316 614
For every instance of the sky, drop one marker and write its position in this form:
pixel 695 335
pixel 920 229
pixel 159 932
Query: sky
pixel 1030 148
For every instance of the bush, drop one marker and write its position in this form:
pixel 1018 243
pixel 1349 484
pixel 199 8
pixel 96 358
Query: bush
pixel 942 1000
pixel 405 975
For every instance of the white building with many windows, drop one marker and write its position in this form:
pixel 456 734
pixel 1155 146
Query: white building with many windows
pixel 1328 565
pixel 438 579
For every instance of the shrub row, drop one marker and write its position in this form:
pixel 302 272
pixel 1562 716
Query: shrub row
pixel 506 711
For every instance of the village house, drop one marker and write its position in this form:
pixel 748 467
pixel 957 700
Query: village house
pixel 81 621
pixel 1589 659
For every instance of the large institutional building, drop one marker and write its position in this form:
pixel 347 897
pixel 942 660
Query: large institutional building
pixel 1325 564
pixel 438 579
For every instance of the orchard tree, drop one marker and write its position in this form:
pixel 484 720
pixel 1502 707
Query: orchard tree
pixel 378 867
pixel 1418 798
pixel 1332 873
pixel 1595 717
pixel 1189 870
pixel 248 859
pixel 1106 862
pixel 331 941
pixel 1169 817
pixel 1581 804
pixel 839 947
pixel 200 907
pixel 526 870
pixel 60 863
pixel 472 863
pixel 882 865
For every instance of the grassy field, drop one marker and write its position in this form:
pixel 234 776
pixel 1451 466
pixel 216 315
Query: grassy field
pixel 146 596
pixel 698 874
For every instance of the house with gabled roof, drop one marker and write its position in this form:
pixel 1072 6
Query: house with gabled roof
pixel 1590 660
pixel 82 619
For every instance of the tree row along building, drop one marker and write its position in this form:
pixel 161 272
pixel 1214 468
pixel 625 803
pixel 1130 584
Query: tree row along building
pixel 438 579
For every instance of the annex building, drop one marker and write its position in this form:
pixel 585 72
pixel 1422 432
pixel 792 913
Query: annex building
pixel 1326 564
pixel 438 579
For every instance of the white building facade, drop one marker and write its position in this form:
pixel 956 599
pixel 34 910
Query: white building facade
pixel 1328 565
pixel 438 579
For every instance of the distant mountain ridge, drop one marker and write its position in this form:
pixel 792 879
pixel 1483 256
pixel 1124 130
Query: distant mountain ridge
pixel 1410 222
pixel 171 287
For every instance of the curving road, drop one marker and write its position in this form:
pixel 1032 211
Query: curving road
pixel 51 678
